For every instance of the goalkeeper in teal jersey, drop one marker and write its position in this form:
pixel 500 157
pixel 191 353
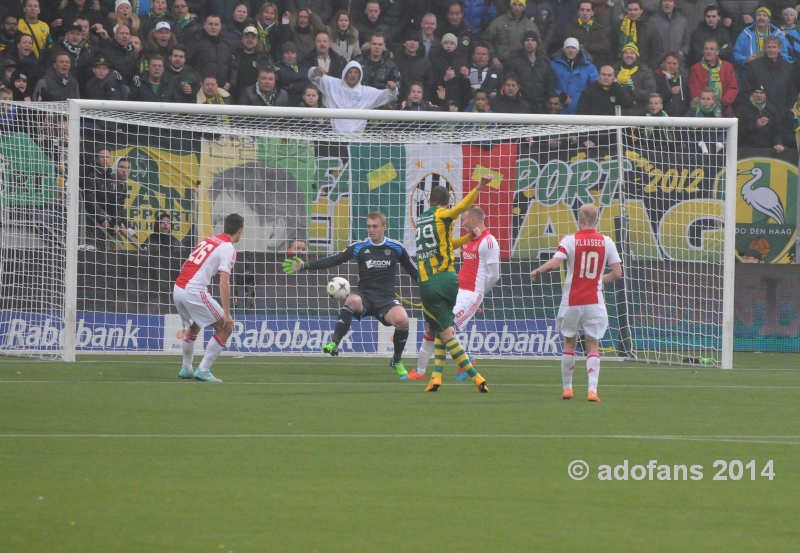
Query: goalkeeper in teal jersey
pixel 438 282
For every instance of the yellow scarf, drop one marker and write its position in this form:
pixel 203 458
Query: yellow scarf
pixel 760 39
pixel 797 120
pixel 587 24
pixel 217 99
pixel 627 33
pixel 649 132
pixel 714 79
pixel 624 76
pixel 263 37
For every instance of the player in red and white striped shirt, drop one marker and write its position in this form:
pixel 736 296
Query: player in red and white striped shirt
pixel 480 270
pixel 587 253
pixel 197 308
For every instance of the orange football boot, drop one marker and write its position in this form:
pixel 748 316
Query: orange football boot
pixel 434 383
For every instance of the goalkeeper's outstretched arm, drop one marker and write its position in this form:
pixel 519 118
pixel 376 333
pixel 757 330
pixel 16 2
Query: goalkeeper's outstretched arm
pixel 295 265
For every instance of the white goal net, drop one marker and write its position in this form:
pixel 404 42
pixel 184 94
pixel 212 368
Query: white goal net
pixel 102 202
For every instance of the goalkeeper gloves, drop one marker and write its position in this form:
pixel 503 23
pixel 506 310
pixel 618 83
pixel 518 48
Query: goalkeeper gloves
pixel 292 266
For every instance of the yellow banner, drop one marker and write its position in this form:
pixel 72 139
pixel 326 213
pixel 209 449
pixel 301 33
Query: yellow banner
pixel 160 181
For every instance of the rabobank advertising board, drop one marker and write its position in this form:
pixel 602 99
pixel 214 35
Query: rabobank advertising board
pixel 119 332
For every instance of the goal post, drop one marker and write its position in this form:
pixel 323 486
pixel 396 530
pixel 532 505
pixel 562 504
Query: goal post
pixel 662 186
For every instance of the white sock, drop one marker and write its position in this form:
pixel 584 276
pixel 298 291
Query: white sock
pixel 188 349
pixel 593 368
pixel 425 353
pixel 567 365
pixel 213 349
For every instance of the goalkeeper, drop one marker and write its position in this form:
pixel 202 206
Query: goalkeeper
pixel 377 258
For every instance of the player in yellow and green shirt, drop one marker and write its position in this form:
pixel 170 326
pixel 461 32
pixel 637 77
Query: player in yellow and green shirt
pixel 438 282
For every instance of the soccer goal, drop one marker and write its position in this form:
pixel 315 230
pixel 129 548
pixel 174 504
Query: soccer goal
pixel 85 269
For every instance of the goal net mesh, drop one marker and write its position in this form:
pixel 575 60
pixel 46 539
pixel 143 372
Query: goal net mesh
pixel 152 185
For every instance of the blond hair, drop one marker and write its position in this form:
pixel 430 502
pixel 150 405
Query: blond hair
pixel 377 215
pixel 477 212
pixel 589 214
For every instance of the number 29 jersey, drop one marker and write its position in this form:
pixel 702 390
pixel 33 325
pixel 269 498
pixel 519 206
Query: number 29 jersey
pixel 587 253
pixel 209 257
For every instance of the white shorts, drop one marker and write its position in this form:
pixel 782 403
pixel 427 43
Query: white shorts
pixel 196 307
pixel 467 304
pixel 592 318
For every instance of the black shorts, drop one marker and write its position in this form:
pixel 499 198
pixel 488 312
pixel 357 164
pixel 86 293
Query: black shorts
pixel 376 305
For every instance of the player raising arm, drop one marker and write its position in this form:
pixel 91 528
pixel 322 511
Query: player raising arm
pixel 195 305
pixel 587 253
pixel 377 258
pixel 438 284
pixel 480 270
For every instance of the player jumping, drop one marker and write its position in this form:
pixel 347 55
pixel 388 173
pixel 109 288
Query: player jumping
pixel 377 258
pixel 582 304
pixel 438 283
pixel 480 270
pixel 197 308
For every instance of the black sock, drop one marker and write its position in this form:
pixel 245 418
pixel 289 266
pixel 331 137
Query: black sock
pixel 342 324
pixel 400 339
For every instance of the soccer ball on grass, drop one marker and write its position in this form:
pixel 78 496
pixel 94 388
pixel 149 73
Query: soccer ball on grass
pixel 338 288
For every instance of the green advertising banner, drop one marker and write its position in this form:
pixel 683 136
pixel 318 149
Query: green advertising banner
pixel 378 183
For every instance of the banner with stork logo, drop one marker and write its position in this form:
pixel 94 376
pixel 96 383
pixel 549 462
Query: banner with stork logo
pixel 766 205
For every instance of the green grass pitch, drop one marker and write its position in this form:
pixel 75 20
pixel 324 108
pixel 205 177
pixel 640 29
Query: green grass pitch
pixel 116 454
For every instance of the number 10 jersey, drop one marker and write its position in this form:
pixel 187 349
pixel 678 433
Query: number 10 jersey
pixel 587 253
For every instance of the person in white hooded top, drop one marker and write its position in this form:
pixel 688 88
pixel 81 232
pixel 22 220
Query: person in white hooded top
pixel 349 93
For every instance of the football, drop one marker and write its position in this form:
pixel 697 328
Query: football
pixel 338 288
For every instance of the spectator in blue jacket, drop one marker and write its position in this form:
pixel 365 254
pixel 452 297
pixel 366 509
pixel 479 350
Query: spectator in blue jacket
pixel 478 14
pixel 574 72
pixel 750 43
pixel 793 34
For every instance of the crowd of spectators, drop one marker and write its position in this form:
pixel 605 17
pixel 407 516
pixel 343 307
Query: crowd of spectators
pixel 500 56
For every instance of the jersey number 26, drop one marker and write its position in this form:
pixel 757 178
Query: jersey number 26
pixel 200 252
